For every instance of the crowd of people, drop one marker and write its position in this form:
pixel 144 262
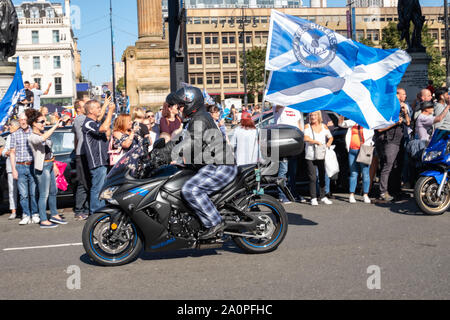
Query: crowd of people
pixel 102 137
pixel 391 152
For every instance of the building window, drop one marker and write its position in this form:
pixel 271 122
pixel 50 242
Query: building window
pixel 38 81
pixel 58 85
pixel 19 13
pixel 196 78
pixel 56 36
pixel 36 63
pixel 57 62
pixel 228 38
pixel 194 38
pixel 373 35
pixel 34 13
pixel 34 36
pixel 49 13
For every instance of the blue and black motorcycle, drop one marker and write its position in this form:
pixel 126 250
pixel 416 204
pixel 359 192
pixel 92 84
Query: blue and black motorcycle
pixel 432 190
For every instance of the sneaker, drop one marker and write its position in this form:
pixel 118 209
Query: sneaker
pixel 211 232
pixel 12 216
pixel 25 220
pixel 81 217
pixel 314 202
pixel 300 199
pixel 35 219
pixel 366 199
pixel 386 197
pixel 326 200
pixel 58 221
pixel 351 198
pixel 48 226
pixel 284 200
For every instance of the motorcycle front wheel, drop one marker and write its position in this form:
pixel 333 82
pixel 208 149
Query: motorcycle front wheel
pixel 105 246
pixel 272 226
pixel 425 193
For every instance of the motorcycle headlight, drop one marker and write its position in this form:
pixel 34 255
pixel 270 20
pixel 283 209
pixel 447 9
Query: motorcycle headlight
pixel 431 155
pixel 108 193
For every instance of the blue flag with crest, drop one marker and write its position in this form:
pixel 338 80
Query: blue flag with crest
pixel 314 68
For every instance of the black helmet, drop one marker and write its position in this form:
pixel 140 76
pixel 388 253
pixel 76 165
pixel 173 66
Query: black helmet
pixel 189 97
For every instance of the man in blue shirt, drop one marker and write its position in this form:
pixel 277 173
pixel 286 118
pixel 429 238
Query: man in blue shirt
pixel 95 144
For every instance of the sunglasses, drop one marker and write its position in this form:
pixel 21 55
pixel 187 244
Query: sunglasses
pixel 41 122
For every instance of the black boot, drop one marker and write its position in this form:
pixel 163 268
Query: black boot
pixel 211 232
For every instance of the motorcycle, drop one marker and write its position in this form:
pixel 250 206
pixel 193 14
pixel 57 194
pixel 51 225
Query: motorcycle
pixel 145 210
pixel 432 190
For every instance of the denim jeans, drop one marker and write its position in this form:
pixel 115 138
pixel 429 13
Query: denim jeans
pixel 47 190
pixel 355 167
pixel 27 189
pixel 288 170
pixel 98 177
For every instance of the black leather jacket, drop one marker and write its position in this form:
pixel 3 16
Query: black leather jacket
pixel 201 143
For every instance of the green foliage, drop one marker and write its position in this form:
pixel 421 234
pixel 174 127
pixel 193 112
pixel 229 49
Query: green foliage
pixel 256 58
pixel 391 40
pixel 367 42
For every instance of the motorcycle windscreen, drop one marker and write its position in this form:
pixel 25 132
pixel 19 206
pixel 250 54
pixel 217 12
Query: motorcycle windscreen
pixel 128 161
pixel 439 135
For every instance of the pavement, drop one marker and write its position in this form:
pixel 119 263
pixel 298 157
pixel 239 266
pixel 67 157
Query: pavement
pixel 341 251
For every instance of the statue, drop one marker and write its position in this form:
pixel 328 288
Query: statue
pixel 9 28
pixel 410 11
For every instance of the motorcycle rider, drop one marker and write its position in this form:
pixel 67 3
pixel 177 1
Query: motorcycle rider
pixel 203 148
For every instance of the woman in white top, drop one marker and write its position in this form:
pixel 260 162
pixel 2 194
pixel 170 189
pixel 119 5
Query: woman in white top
pixel 355 138
pixel 316 134
pixel 245 141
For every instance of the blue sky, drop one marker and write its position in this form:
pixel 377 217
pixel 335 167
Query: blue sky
pixel 94 33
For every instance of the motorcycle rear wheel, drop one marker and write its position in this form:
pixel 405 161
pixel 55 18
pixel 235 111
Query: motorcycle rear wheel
pixel 98 244
pixel 274 226
pixel 425 195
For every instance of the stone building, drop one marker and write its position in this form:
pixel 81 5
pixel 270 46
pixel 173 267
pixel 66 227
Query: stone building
pixel 48 50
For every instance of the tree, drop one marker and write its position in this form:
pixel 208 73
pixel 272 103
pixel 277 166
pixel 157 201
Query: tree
pixel 256 59
pixel 121 84
pixel 367 42
pixel 391 40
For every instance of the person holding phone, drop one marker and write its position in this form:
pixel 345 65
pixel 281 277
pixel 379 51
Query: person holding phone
pixel 45 169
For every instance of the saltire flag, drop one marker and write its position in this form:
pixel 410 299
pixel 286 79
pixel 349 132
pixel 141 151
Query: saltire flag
pixel 15 93
pixel 314 68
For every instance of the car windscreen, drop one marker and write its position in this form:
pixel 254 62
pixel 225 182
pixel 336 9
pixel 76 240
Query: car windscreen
pixel 63 142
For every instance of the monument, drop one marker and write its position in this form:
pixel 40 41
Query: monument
pixel 147 68
pixel 416 76
pixel 9 28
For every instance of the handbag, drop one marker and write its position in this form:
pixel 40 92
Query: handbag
pixel 319 151
pixel 365 154
pixel 331 162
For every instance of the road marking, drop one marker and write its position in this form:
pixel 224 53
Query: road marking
pixel 44 247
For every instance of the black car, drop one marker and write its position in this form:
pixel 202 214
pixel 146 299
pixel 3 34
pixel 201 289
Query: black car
pixel 63 148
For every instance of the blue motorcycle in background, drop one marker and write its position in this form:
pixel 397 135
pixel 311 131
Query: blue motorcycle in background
pixel 432 191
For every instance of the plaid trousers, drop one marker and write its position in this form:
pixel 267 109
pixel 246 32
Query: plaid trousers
pixel 196 191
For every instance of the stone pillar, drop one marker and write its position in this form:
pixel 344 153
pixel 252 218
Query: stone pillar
pixel 149 18
pixel 416 76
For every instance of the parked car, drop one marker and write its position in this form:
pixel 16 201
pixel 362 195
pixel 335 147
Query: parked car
pixel 63 149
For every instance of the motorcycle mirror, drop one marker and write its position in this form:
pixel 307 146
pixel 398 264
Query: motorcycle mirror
pixel 159 144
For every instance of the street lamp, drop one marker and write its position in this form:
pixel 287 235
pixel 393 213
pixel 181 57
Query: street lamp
pixel 89 78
